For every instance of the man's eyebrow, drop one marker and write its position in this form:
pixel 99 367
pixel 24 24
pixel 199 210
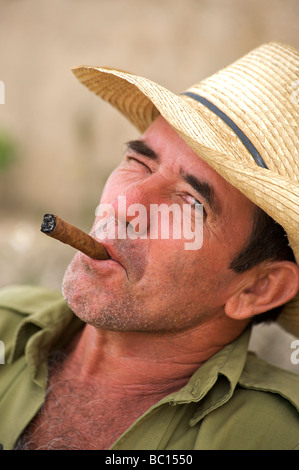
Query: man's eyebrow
pixel 205 190
pixel 141 147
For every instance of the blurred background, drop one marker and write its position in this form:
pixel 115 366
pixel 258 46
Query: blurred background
pixel 59 142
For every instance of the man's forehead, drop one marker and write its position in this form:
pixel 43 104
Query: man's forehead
pixel 162 138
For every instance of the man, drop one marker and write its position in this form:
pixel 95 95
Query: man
pixel 160 360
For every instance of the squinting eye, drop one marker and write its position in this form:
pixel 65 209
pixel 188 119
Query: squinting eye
pixel 138 161
pixel 192 200
pixel 195 203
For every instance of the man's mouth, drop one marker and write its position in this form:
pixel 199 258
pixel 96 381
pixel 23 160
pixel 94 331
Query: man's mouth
pixel 113 254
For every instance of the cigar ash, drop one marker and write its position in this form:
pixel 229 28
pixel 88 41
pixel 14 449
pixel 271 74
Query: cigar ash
pixel 48 224
pixel 57 228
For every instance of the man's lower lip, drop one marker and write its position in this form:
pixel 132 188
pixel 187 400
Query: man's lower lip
pixel 99 264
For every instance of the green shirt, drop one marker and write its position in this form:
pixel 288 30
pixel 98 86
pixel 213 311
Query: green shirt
pixel 233 401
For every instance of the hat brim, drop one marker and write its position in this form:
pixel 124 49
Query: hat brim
pixel 141 100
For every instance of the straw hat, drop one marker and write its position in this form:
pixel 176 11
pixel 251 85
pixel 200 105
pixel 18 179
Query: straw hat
pixel 243 121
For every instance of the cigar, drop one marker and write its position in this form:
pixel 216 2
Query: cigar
pixel 57 228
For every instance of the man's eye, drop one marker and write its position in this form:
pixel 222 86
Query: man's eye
pixel 192 200
pixel 195 203
pixel 136 160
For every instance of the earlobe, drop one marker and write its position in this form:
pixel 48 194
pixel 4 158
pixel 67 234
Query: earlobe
pixel 268 286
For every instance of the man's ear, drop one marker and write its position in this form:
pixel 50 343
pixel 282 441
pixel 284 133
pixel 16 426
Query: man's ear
pixel 263 288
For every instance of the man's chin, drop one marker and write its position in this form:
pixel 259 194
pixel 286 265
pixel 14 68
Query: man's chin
pixel 71 285
pixel 99 309
pixel 82 295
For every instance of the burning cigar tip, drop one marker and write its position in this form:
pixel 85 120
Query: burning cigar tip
pixel 57 228
pixel 48 224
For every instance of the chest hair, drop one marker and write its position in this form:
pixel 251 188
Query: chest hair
pixel 77 417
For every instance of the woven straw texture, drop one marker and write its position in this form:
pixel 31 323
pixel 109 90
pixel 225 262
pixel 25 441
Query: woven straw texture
pixel 257 93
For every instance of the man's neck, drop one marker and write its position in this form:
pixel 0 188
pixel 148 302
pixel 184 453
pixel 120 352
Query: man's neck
pixel 142 363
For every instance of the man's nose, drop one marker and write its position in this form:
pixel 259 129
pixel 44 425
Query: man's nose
pixel 137 200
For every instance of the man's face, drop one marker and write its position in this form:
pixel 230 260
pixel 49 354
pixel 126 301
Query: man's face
pixel 156 285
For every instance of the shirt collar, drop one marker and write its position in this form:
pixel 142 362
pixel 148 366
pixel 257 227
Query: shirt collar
pixel 214 382
pixel 45 329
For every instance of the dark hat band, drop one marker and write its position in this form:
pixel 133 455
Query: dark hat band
pixel 246 142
